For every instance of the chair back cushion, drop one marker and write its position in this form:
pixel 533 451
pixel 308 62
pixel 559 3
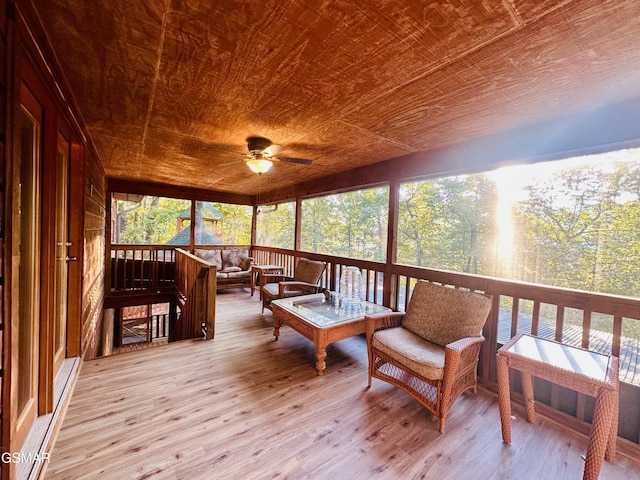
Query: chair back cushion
pixel 443 315
pixel 236 258
pixel 308 271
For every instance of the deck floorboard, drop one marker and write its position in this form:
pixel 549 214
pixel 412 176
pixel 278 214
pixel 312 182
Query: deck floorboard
pixel 244 406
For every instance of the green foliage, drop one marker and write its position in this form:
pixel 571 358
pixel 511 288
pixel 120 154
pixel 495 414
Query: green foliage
pixel 578 228
pixel 448 224
pixel 151 221
pixel 154 220
pixel 571 225
pixel 235 226
pixel 352 224
pixel 276 224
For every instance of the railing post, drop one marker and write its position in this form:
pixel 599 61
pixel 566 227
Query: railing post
pixel 173 314
pixel 210 311
pixel 196 283
pixel 489 347
pixel 388 290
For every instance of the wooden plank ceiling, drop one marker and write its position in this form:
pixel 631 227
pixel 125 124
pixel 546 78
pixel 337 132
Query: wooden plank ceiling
pixel 170 89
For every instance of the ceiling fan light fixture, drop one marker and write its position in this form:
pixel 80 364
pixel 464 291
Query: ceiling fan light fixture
pixel 259 165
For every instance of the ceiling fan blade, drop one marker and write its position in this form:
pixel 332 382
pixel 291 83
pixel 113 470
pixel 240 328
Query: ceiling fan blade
pixel 301 161
pixel 232 162
pixel 273 149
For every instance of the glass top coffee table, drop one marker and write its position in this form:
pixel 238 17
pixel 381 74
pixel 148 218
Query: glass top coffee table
pixel 322 320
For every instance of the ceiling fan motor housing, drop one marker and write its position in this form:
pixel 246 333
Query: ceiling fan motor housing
pixel 257 144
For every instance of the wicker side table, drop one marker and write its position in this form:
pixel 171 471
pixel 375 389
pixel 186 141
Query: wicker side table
pixel 260 270
pixel 581 370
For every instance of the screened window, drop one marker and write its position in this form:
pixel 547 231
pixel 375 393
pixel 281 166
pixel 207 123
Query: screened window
pixel 223 223
pixel 149 220
pixel 572 223
pixel 275 226
pixel 351 224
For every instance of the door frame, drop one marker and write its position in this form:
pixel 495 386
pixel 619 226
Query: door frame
pixel 21 420
pixel 54 121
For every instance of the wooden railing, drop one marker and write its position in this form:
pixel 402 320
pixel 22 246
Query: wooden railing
pixel 519 307
pixel 195 281
pixel 141 268
pixel 372 272
pixel 159 326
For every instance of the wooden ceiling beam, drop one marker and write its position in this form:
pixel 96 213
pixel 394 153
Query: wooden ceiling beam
pixel 115 185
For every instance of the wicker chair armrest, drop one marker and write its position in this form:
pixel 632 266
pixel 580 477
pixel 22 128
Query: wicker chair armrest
pixel 459 354
pixel 275 277
pixel 463 343
pixel 381 321
pixel 286 285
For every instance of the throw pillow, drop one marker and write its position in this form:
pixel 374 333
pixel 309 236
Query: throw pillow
pixel 246 263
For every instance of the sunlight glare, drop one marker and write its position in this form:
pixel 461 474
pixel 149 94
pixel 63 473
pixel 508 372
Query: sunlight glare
pixel 510 183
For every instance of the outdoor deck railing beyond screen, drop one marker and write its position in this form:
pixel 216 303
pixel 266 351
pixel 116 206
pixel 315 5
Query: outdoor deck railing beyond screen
pixel 589 320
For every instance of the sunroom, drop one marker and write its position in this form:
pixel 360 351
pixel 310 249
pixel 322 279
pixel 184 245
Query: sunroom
pixel 485 146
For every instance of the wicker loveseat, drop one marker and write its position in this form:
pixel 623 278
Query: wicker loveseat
pixel 431 352
pixel 233 266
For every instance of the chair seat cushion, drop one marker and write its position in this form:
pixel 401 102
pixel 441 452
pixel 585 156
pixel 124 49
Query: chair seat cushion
pixel 273 290
pixel 239 275
pixel 411 350
pixel 231 269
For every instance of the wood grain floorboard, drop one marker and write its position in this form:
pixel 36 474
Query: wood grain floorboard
pixel 245 407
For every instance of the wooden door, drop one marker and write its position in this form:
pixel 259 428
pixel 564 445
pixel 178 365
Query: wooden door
pixel 62 244
pixel 26 260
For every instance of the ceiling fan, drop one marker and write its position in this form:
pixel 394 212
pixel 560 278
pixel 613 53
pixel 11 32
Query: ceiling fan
pixel 262 154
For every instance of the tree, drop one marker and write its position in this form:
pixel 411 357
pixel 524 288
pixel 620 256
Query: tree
pixel 351 224
pixel 275 225
pixel 468 205
pixel 416 225
pixel 448 223
pixel 315 213
pixel 560 225
pixel 236 223
pixel 152 220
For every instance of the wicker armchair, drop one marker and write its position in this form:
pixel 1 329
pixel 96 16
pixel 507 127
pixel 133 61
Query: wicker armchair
pixel 432 351
pixel 305 280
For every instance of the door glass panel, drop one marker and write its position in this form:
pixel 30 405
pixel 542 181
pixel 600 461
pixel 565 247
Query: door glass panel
pixel 28 269
pixel 62 247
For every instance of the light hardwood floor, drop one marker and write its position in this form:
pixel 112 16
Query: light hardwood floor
pixel 244 407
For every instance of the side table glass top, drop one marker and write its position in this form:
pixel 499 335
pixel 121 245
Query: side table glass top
pixel 565 357
pixel 322 312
